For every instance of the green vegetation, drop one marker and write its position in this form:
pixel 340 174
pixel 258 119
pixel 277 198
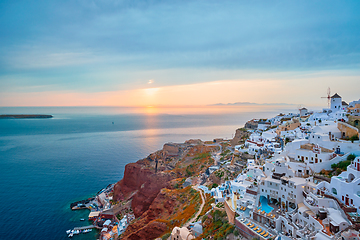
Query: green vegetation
pixel 188 172
pixel 214 186
pixel 341 166
pixel 219 173
pixel 354 138
pixel 225 152
pixel 220 205
pixel 165 236
pixel 202 155
pixel 351 157
pixel 216 226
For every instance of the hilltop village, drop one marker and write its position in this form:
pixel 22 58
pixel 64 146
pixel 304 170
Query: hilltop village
pixel 293 176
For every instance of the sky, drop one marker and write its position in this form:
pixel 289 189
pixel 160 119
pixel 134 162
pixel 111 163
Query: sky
pixel 176 53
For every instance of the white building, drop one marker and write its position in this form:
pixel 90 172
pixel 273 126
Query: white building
pixel 346 186
pixel 303 112
pixel 336 103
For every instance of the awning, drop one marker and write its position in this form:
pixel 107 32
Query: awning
pixel 94 214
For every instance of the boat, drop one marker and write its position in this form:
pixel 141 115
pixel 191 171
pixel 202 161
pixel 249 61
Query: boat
pixel 87 230
pixel 68 231
pixel 71 235
pixel 82 219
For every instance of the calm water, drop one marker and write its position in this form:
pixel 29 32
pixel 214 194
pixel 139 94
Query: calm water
pixel 45 164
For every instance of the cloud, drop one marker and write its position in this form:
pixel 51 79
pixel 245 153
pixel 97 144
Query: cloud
pixel 37 58
pixel 99 46
pixel 306 90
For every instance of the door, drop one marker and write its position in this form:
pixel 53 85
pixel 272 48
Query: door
pixel 347 201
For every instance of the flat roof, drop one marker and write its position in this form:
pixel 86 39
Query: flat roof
pixel 297 180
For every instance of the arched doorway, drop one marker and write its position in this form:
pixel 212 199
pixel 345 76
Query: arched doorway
pixel 351 177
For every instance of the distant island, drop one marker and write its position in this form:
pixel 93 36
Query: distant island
pixel 248 103
pixel 6 116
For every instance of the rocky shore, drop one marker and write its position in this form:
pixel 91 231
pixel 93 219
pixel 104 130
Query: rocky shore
pixel 155 187
pixel 159 192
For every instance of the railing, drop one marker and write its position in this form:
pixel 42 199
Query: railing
pixel 343 208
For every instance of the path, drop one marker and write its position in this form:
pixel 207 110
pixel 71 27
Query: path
pixel 84 227
pixel 217 156
pixel 200 209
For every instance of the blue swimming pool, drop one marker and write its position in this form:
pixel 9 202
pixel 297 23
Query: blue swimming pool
pixel 264 204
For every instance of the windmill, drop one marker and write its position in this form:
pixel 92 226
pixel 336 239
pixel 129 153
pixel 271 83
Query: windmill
pixel 328 97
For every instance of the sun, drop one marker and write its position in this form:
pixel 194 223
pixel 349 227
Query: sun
pixel 150 81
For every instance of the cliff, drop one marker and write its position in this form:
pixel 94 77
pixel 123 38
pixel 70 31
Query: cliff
pixel 156 196
pixel 240 136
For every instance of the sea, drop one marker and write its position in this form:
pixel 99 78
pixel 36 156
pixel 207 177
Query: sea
pixel 46 164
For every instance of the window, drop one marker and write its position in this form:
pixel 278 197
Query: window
pixel 352 201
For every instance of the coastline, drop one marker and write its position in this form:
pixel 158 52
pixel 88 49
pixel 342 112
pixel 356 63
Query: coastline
pixel 164 191
pixel 23 116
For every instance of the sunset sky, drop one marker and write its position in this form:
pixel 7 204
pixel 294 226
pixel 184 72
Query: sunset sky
pixel 142 53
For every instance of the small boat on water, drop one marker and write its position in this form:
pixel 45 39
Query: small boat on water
pixel 71 235
pixel 82 219
pixel 68 231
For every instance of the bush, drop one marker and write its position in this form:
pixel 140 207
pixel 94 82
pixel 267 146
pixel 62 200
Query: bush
pixel 214 185
pixel 354 138
pixel 343 164
pixel 351 157
pixel 165 236
pixel 188 172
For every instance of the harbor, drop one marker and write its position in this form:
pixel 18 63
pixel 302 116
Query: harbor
pixel 104 215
